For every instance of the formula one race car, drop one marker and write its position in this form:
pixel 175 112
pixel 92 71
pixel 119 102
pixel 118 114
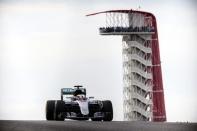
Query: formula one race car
pixel 76 106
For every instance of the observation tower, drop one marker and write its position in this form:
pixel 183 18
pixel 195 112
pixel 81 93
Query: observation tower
pixel 143 95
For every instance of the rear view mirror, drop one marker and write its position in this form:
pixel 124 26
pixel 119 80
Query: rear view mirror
pixel 91 97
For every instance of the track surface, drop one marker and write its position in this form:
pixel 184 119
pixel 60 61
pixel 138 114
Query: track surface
pixel 8 125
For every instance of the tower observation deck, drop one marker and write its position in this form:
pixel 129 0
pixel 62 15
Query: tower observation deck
pixel 143 95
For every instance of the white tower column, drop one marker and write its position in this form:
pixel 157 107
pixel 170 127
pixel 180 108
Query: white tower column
pixel 137 77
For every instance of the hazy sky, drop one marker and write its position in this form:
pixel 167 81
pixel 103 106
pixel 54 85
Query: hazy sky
pixel 46 45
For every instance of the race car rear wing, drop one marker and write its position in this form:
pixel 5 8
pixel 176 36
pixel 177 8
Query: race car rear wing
pixel 71 91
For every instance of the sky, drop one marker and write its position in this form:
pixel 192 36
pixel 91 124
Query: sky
pixel 47 45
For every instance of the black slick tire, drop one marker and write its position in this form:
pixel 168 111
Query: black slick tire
pixel 59 110
pixel 50 107
pixel 107 110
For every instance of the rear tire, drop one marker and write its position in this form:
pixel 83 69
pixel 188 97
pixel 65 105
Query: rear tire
pixel 107 110
pixel 50 107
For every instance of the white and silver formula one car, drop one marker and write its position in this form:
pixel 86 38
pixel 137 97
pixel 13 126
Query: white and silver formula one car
pixel 75 105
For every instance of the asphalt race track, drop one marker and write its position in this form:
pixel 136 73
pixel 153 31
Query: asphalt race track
pixel 8 125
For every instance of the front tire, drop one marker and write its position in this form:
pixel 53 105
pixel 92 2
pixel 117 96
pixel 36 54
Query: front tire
pixel 59 110
pixel 107 110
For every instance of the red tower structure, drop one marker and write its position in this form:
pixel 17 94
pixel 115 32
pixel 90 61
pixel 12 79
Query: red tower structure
pixel 133 24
